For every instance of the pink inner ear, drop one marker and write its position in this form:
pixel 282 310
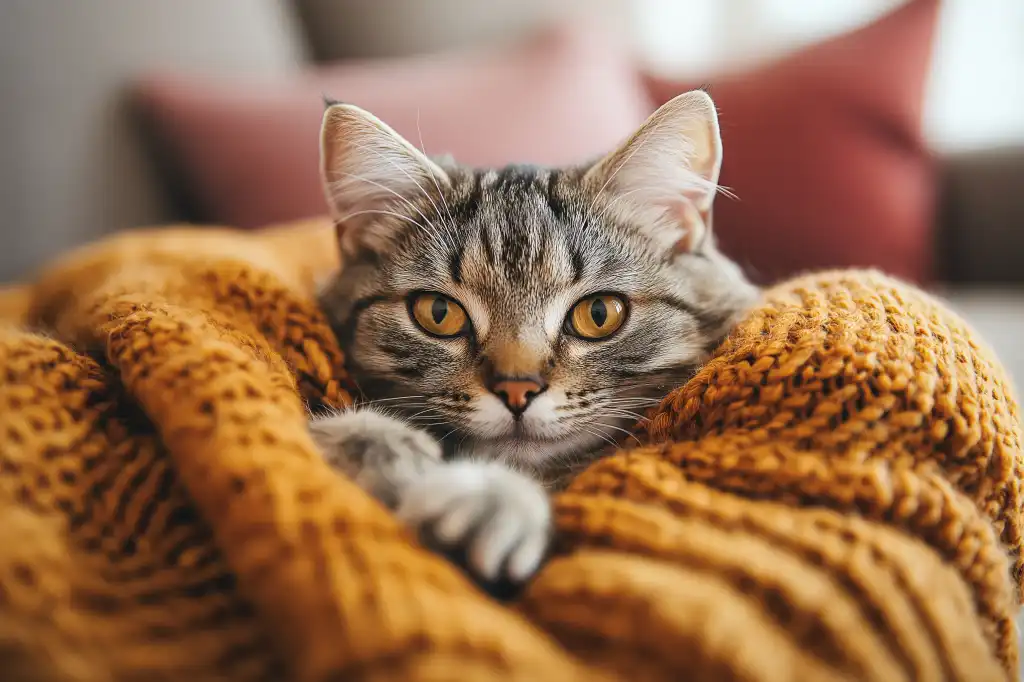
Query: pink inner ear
pixel 690 221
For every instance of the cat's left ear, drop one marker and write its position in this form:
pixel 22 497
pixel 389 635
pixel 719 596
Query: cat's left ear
pixel 664 178
pixel 370 175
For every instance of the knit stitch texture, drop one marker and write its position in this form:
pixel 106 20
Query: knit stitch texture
pixel 836 495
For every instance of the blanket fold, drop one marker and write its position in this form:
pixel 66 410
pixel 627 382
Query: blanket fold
pixel 835 495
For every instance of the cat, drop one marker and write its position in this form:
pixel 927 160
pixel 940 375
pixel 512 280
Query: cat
pixel 507 326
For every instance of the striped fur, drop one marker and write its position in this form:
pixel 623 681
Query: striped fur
pixel 517 247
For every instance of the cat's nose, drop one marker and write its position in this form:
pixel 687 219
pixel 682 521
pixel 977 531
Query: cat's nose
pixel 517 392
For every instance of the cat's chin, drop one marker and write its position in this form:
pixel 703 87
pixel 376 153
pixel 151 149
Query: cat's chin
pixel 527 451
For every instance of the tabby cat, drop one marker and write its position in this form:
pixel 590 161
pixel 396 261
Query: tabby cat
pixel 508 325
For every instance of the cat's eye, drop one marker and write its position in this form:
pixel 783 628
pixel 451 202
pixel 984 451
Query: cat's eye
pixel 597 317
pixel 438 315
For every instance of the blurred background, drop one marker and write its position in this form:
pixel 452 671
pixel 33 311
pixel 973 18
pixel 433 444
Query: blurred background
pixel 880 133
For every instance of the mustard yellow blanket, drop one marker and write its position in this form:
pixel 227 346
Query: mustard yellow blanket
pixel 835 496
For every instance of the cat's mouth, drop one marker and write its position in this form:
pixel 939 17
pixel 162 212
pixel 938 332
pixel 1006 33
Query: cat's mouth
pixel 546 430
pixel 528 430
pixel 531 444
pixel 521 433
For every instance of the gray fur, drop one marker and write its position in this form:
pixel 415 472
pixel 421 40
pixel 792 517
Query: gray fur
pixel 517 247
pixel 516 235
pixel 382 454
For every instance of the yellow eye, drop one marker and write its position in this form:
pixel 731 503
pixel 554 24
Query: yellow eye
pixel 438 315
pixel 597 317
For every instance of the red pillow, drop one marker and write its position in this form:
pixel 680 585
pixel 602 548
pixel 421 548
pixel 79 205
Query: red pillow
pixel 824 152
pixel 249 149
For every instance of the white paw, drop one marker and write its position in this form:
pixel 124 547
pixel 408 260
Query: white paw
pixel 501 519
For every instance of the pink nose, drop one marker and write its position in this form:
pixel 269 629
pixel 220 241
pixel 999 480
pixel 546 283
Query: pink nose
pixel 517 394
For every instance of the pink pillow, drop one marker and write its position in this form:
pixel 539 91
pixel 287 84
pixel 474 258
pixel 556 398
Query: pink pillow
pixel 249 149
pixel 824 152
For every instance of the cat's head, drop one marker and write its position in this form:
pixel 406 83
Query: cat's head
pixel 528 313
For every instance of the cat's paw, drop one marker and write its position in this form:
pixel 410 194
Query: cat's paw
pixel 497 520
pixel 382 454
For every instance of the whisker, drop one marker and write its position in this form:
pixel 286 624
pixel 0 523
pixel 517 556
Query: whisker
pixel 617 428
pixel 622 399
pixel 624 405
pixel 429 410
pixel 387 400
pixel 727 192
pixel 395 405
pixel 433 231
pixel 390 191
pixel 383 212
pixel 642 387
pixel 622 389
pixel 411 179
pixel 602 436
pixel 423 149
pixel 322 413
pixel 627 413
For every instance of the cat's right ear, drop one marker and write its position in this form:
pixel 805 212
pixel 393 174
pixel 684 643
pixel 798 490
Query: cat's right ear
pixel 371 176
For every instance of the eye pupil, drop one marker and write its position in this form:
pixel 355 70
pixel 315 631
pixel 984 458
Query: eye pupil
pixel 438 315
pixel 599 312
pixel 438 309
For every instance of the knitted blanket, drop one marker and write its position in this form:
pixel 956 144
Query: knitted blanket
pixel 836 495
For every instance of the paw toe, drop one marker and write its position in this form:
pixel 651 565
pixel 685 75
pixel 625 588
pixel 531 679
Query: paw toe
pixel 497 521
pixel 495 539
pixel 458 521
pixel 527 556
